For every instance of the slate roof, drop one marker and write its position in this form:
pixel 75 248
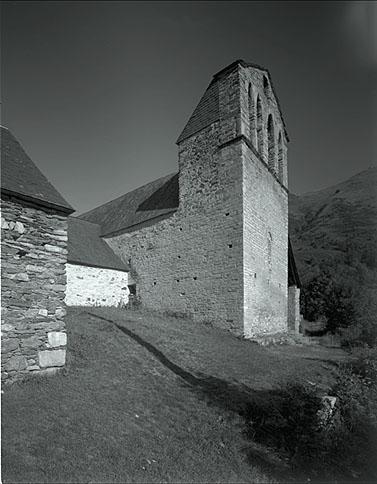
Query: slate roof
pixel 145 203
pixel 22 179
pixel 157 198
pixel 85 246
pixel 205 113
pixel 208 109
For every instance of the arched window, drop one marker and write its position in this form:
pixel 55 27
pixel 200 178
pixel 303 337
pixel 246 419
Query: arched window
pixel 265 86
pixel 259 127
pixel 271 142
pixel 251 115
pixel 280 157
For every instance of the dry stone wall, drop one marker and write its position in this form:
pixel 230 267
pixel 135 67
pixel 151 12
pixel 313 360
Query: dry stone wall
pixel 94 286
pixel 33 258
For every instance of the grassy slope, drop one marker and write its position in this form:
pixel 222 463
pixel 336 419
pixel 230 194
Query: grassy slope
pixel 149 399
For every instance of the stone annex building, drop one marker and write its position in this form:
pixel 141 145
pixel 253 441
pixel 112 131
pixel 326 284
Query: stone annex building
pixel 209 242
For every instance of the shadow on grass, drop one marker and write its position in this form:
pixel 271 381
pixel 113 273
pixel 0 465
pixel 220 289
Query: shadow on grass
pixel 281 425
pixel 236 399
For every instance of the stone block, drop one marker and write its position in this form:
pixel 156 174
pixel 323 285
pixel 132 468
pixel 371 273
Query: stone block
pixel 4 224
pixel 57 338
pixel 16 363
pixel 60 313
pixel 32 342
pixel 53 248
pixel 19 227
pixel 50 358
pixel 10 345
pixel 21 277
pixel 49 325
pixel 31 313
pixel 32 268
pixel 54 287
pixel 18 303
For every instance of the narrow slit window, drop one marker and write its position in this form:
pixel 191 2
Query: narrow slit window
pixel 251 115
pixel 259 126
pixel 271 142
pixel 280 157
pixel 266 86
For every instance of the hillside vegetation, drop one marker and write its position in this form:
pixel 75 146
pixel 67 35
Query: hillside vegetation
pixel 337 224
pixel 334 237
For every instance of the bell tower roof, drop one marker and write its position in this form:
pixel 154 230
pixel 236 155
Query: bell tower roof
pixel 208 109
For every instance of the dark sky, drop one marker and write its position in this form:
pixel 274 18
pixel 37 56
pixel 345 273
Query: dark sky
pixel 98 92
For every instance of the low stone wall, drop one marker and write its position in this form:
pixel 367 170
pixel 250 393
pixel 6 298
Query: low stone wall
pixel 33 257
pixel 94 286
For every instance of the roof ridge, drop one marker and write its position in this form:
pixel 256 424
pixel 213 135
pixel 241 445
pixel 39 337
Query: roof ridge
pixel 82 220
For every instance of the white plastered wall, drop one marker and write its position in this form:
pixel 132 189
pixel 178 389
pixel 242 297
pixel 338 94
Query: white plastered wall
pixel 94 286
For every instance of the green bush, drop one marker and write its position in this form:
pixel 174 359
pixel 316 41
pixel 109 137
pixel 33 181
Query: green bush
pixel 289 422
pixel 363 330
pixel 352 439
pixel 344 444
pixel 345 298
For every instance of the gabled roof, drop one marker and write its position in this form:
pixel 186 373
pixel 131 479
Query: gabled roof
pixel 85 246
pixel 22 179
pixel 155 199
pixel 208 109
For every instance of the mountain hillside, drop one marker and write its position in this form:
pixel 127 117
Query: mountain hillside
pixel 338 223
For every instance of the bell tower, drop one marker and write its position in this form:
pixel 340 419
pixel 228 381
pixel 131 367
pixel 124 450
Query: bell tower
pixel 233 177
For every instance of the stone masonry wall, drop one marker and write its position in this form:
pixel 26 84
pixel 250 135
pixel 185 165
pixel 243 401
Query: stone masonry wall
pixel 253 80
pixel 265 249
pixel 222 257
pixel 94 286
pixel 33 257
pixel 190 263
pixel 265 206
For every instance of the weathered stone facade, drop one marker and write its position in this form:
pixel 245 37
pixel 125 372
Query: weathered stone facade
pixel 96 286
pixel 222 256
pixel 188 263
pixel 33 258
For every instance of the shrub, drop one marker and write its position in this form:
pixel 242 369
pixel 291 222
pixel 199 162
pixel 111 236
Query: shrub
pixel 290 423
pixel 363 330
pixel 352 439
pixel 345 298
pixel 340 446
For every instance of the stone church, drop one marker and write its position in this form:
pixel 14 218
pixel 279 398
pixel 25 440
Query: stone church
pixel 209 242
